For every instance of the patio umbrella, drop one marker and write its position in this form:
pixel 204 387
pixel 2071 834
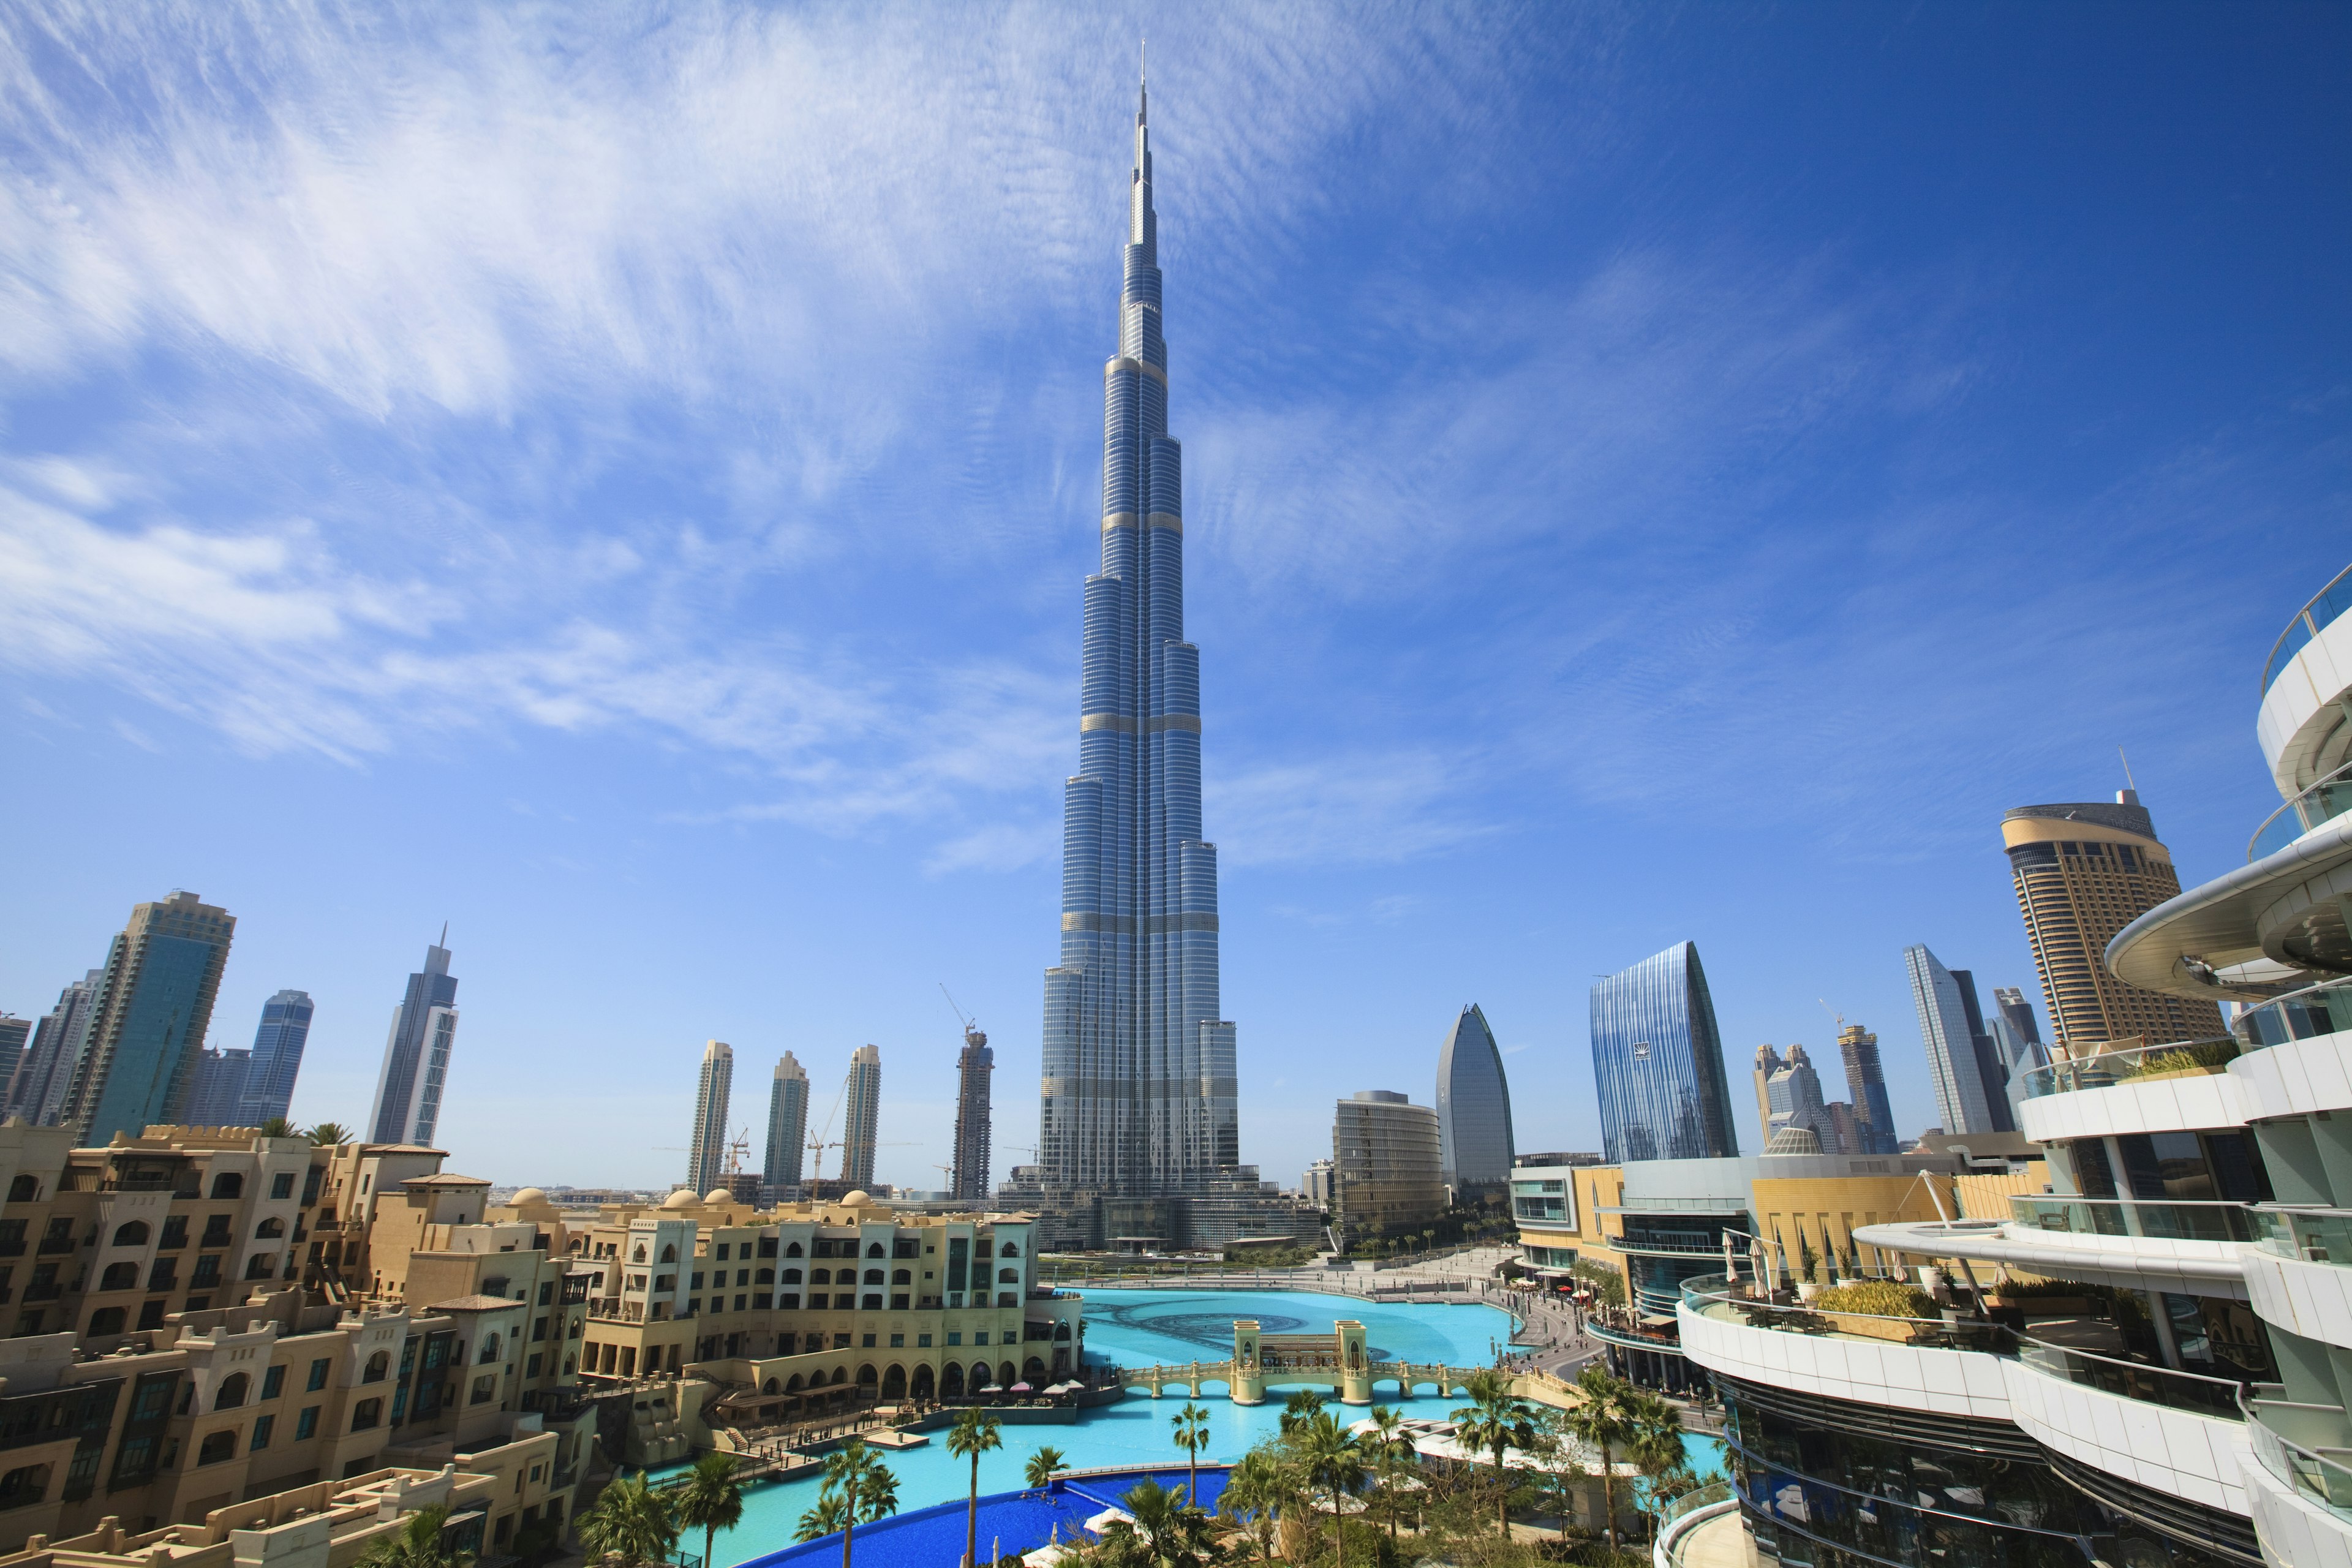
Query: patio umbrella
pixel 993 1388
pixel 1020 1388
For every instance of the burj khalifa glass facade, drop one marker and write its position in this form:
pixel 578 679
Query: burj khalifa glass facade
pixel 1138 1097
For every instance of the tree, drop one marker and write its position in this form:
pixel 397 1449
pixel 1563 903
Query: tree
pixel 1602 1420
pixel 858 1490
pixel 1257 1494
pixel 832 1512
pixel 1330 1458
pixel 417 1544
pixel 975 1432
pixel 1496 1420
pixel 277 1127
pixel 1190 1426
pixel 1392 1455
pixel 712 1497
pixel 331 1134
pixel 1165 1530
pixel 1300 1406
pixel 632 1522
pixel 1041 1465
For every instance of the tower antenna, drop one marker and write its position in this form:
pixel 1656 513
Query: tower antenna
pixel 2129 782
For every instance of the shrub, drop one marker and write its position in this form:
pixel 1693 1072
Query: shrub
pixel 2202 1055
pixel 1878 1299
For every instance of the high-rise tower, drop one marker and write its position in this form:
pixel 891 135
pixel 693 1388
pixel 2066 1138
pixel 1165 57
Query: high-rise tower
pixel 787 1124
pixel 1138 1097
pixel 974 1064
pixel 706 1151
pixel 862 1117
pixel 38 1092
pixel 2083 871
pixel 1972 1087
pixel 1866 1083
pixel 1473 1107
pixel 1657 1061
pixel 147 1029
pixel 276 1056
pixel 415 1071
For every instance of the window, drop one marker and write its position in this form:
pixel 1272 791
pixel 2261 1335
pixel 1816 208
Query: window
pixel 261 1425
pixel 378 1368
pixel 980 1336
pixel 133 1234
pixel 538 1330
pixel 721 1254
pixel 922 1341
pixel 228 1184
pixel 217 1446
pixel 547 1292
pixel 366 1413
pixel 306 1425
pixel 24 1190
pixel 207 1272
pixel 901 1277
pixel 531 1368
pixel 873 1277
pixel 120 1277
pixel 176 1232
pixel 794 1250
pixel 897 1341
pixel 24 1484
pixel 106 1320
pixel 216 1230
pixel 490 1348
pixel 1009 1250
pixel 1008 1277
pixel 868 1343
pixel 318 1375
pixel 669 1255
pixel 486 1388
pixel 281 1185
pixel 232 1391
pixel 955 1336
pixel 273 1381
pixel 269 1229
pixel 874 1250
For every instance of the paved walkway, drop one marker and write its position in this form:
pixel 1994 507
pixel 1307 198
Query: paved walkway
pixel 1720 1542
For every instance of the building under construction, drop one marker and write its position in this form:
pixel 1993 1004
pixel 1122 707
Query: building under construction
pixel 974 1063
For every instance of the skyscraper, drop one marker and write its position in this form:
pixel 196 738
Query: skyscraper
pixel 1657 1061
pixel 416 1055
pixel 216 1094
pixel 1138 1097
pixel 706 1151
pixel 862 1116
pixel 1473 1107
pixel 37 1093
pixel 1768 1062
pixel 16 1048
pixel 2083 871
pixel 1386 1158
pixel 1865 1084
pixel 1794 1093
pixel 974 1063
pixel 1971 1095
pixel 276 1056
pixel 139 1057
pixel 787 1124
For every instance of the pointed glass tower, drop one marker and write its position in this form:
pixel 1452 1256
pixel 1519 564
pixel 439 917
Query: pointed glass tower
pixel 1138 1097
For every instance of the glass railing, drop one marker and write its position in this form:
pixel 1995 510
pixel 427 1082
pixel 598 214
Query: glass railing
pixel 2301 1444
pixel 2107 1068
pixel 2316 1010
pixel 2161 1220
pixel 2322 801
pixel 2217 1397
pixel 2309 622
pixel 2309 1232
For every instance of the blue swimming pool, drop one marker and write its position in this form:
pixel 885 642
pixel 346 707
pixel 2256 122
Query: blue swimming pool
pixel 1145 1328
pixel 1008 1521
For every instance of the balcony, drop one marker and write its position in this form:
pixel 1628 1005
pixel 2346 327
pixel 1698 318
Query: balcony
pixel 2309 622
pixel 2308 1447
pixel 2316 1010
pixel 2184 1059
pixel 56 1243
pixel 2321 803
pixel 2161 1221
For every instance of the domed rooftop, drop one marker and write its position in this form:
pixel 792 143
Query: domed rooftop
pixel 528 1197
pixel 719 1195
pixel 859 1199
pixel 680 1199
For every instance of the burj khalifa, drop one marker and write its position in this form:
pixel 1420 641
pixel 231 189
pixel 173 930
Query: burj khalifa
pixel 1138 1115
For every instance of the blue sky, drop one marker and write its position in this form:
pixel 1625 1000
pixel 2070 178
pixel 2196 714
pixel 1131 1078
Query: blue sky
pixel 620 482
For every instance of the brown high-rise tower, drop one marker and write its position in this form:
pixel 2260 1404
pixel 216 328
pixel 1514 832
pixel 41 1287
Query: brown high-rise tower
pixel 974 1065
pixel 2083 871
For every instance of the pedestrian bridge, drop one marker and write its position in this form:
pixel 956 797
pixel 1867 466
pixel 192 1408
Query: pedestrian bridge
pixel 1336 1361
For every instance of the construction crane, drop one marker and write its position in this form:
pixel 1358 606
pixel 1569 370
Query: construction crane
pixel 972 1034
pixel 1833 1013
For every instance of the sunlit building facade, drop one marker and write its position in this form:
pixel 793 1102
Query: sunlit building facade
pixel 1473 1107
pixel 1657 1061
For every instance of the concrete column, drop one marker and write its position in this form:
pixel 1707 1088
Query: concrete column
pixel 1355 1363
pixel 1249 1376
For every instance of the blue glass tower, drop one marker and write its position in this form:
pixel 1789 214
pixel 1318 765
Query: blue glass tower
pixel 277 1056
pixel 1138 1097
pixel 1657 1060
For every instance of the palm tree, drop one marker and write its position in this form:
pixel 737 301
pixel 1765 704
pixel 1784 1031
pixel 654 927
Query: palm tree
pixel 1256 1496
pixel 975 1432
pixel 1496 1420
pixel 276 1127
pixel 832 1512
pixel 711 1498
pixel 331 1134
pixel 631 1521
pixel 1332 1460
pixel 1602 1420
pixel 1192 1429
pixel 1041 1465
pixel 858 1488
pixel 417 1544
pixel 1392 1457
pixel 1166 1531
pixel 1300 1406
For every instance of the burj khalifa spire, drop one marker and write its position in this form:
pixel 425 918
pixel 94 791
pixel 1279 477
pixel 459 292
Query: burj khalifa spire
pixel 1139 1093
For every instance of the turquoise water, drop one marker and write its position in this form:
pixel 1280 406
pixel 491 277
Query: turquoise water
pixel 1144 1328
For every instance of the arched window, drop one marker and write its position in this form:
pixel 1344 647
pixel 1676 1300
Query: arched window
pixel 772 1386
pixel 1008 1277
pixel 269 1229
pixel 981 1376
pixel 24 1190
pixel 571 1365
pixel 1012 1250
pixel 232 1391
pixel 366 1413
pixel 873 1277
pixel 790 1277
pixel 120 1277
pixel 378 1368
pixel 1061 1331
pixel 875 1251
pixel 639 1254
pixel 840 1375
pixel 952 1381
pixel 894 1382
pixel 490 1349
pixel 669 1255
pixel 217 1446
pixel 816 1276
pixel 794 1250
pixel 1033 1370
pixel 228 1185
pixel 793 1385
pixel 1006 1376
pixel 865 1375
pixel 105 1320
pixel 132 1233
pixel 901 1277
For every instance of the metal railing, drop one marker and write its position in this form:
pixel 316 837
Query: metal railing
pixel 2162 1220
pixel 2301 1444
pixel 2107 1069
pixel 2316 1010
pixel 2320 802
pixel 2217 1397
pixel 2309 621
pixel 2311 1233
